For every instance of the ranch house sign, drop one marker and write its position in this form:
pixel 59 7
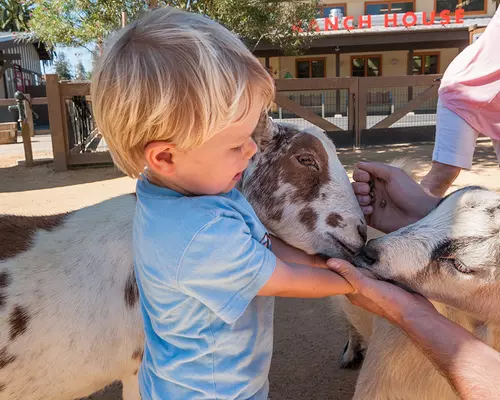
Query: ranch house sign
pixel 409 19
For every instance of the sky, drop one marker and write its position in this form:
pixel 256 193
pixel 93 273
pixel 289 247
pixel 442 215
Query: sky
pixel 73 55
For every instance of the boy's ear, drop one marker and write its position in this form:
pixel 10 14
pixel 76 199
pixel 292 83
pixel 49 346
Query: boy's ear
pixel 160 158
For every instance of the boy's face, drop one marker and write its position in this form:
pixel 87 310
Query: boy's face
pixel 217 165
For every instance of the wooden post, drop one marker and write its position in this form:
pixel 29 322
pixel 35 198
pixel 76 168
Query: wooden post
pixel 25 130
pixel 56 122
pixel 362 99
pixel 29 114
pixel 409 71
pixel 337 91
pixel 124 18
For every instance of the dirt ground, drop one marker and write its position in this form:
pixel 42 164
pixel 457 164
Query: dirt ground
pixel 309 334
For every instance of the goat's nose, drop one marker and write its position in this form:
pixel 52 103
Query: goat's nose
pixel 369 255
pixel 362 232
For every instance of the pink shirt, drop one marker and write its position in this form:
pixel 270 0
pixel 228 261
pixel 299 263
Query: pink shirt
pixel 471 84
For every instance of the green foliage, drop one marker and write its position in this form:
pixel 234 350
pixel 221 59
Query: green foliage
pixel 80 73
pixel 82 22
pixel 62 67
pixel 15 15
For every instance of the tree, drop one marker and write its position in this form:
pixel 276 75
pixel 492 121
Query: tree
pixel 83 22
pixel 15 14
pixel 80 73
pixel 62 67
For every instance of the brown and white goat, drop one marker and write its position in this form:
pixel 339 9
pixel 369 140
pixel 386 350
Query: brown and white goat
pixel 69 315
pixel 452 257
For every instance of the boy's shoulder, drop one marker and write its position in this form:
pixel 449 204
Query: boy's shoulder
pixel 161 210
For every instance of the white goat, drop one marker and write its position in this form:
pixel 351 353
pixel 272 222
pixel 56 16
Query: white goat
pixel 452 257
pixel 69 317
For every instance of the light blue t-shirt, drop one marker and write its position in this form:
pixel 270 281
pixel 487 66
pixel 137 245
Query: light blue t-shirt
pixel 200 262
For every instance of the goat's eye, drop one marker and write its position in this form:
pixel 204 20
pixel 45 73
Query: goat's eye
pixel 457 264
pixel 308 160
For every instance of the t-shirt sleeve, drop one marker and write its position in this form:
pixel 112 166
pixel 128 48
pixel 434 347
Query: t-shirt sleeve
pixel 224 267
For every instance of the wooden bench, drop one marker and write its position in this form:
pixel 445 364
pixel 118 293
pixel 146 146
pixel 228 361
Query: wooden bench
pixel 8 132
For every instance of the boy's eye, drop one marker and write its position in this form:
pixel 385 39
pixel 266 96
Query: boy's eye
pixel 239 148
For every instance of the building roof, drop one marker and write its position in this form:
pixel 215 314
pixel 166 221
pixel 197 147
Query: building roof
pixel 13 39
pixel 379 27
pixel 381 38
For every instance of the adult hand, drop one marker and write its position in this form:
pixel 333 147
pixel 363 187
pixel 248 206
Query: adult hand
pixel 382 298
pixel 389 198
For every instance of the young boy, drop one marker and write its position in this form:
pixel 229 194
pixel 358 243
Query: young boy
pixel 177 97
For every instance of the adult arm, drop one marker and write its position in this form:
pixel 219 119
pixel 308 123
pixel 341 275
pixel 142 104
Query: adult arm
pixel 471 366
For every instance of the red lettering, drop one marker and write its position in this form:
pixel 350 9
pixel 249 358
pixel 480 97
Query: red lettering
pixel 313 25
pixel 388 18
pixel 368 21
pixel 424 18
pixel 459 15
pixel 408 15
pixel 346 20
pixel 445 16
pixel 329 24
pixel 297 27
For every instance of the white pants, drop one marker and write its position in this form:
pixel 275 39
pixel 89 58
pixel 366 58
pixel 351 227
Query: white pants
pixel 455 139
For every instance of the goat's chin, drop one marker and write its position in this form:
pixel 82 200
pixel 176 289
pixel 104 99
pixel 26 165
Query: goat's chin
pixel 337 253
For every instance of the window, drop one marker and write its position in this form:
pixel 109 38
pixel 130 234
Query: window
pixel 366 66
pixel 469 6
pixel 311 68
pixel 394 7
pixel 325 9
pixel 425 64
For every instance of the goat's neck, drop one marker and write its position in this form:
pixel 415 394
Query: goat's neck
pixel 487 329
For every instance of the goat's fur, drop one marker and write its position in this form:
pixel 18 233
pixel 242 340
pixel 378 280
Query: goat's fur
pixel 69 307
pixel 452 257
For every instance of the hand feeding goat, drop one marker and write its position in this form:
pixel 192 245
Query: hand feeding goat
pixel 452 257
pixel 69 316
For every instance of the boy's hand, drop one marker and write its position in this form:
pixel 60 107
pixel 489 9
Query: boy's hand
pixel 382 298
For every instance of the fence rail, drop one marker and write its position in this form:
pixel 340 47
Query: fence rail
pixel 360 111
pixel 71 124
pixel 354 112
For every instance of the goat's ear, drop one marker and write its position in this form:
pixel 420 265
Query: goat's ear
pixel 263 132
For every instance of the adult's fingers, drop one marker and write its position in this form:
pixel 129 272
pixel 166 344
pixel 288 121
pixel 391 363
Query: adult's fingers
pixel 361 189
pixel 376 170
pixel 361 176
pixel 367 210
pixel 346 270
pixel 364 200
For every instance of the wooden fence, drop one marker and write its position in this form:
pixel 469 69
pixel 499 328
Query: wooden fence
pixel 26 122
pixel 58 94
pixel 386 100
pixel 359 111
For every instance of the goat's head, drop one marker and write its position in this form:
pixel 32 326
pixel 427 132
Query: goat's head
pixel 301 192
pixel 451 256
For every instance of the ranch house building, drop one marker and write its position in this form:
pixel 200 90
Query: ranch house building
pixel 364 38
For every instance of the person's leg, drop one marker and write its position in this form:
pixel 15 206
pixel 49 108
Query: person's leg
pixel 453 151
pixel 496 145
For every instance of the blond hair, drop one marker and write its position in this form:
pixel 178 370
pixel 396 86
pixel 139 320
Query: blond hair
pixel 173 76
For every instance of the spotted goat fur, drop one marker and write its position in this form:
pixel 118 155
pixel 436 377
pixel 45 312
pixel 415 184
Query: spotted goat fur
pixel 69 314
